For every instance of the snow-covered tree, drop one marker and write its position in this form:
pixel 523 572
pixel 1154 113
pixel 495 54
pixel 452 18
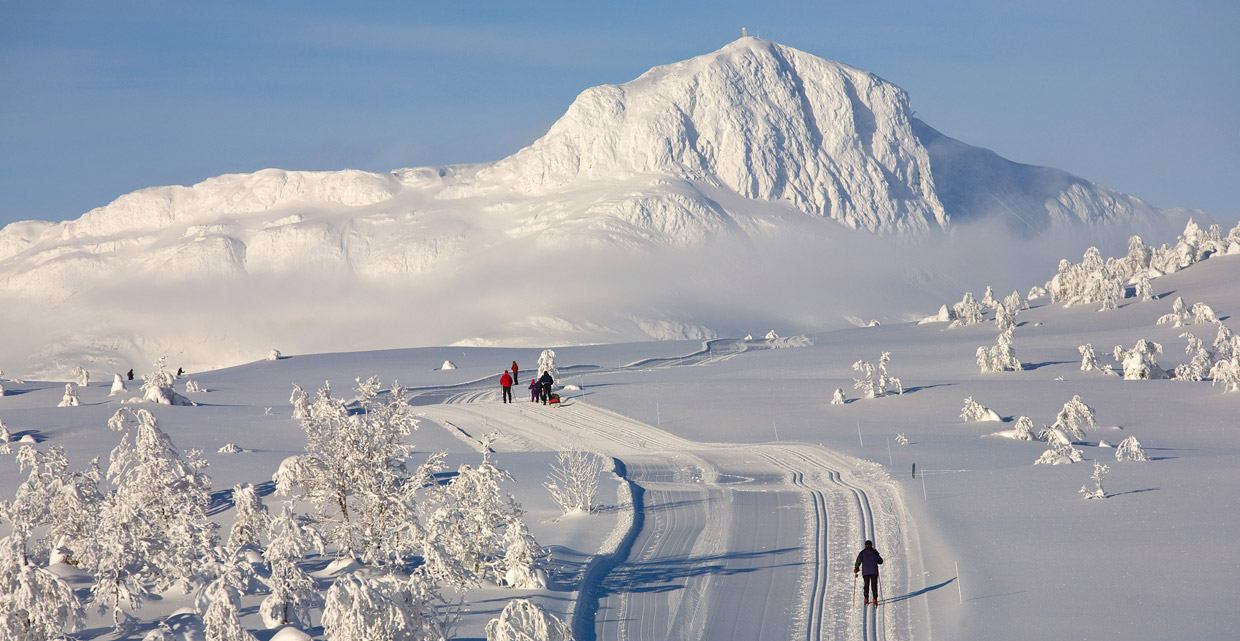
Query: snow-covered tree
pixel 1139 362
pixel 523 620
pixel 866 383
pixel 1200 362
pixel 1130 449
pixel 153 526
pixel 1075 417
pixel 1036 292
pixel 1227 373
pixel 81 376
pixel 35 604
pixel 1001 357
pixel 967 312
pixel 974 411
pixel 70 398
pixel 988 299
pixel 1100 472
pixel 354 471
pixel 293 592
pixel 157 386
pixel 192 387
pixel 251 522
pixel 523 558
pixel 574 478
pixel 221 620
pixel 364 607
pixel 1005 319
pixel 118 385
pixel 1182 315
pixel 546 363
pixel 874 381
pixel 901 439
pixel 1226 344
pixel 1060 454
pixel 468 520
pixel 838 397
pixel 1023 431
pixel 1143 289
pixel 771 336
pixel 1089 360
pixel 274 355
pixel 300 402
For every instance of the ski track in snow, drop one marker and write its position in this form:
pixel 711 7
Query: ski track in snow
pixel 745 542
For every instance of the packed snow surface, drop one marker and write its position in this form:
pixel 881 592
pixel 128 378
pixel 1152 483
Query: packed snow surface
pixel 740 494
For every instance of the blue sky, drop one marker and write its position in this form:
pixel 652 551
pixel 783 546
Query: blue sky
pixel 101 98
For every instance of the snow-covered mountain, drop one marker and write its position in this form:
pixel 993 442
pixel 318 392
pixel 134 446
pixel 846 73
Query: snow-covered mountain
pixel 688 202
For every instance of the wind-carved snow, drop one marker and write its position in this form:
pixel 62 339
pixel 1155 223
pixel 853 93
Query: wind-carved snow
pixel 767 121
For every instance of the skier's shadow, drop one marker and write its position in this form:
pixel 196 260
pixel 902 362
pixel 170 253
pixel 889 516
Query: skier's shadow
pixel 928 588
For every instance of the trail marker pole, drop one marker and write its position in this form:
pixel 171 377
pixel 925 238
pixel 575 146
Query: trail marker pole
pixel 657 417
pixel 859 434
pixel 774 427
pixel 959 590
pixel 923 487
pixel 889 463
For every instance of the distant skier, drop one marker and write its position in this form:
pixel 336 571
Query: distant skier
pixel 180 372
pixel 515 380
pixel 867 563
pixel 130 375
pixel 545 382
pixel 505 383
pixel 535 389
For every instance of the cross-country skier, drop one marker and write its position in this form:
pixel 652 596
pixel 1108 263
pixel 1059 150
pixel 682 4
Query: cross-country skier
pixel 867 563
pixel 515 379
pixel 505 383
pixel 545 382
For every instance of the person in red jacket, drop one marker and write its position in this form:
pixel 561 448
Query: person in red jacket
pixel 505 383
pixel 515 381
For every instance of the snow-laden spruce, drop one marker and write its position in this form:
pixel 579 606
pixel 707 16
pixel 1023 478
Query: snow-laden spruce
pixel 293 591
pixel 365 606
pixel 1074 418
pixel 81 376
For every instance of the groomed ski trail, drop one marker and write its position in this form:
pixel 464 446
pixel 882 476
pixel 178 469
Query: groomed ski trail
pixel 744 542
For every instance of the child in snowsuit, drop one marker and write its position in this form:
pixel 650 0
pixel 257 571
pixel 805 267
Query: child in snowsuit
pixel 535 388
pixel 867 562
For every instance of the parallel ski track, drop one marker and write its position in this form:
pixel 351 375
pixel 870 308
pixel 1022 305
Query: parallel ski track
pixel 834 524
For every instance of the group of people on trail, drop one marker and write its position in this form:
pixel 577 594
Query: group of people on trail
pixel 540 387
pixel 867 564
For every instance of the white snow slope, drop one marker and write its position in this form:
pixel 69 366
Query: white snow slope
pixel 750 165
pixel 747 493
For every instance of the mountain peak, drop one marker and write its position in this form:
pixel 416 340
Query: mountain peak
pixel 761 119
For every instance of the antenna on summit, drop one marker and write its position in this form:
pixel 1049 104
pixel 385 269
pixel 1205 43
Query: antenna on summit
pixel 743 33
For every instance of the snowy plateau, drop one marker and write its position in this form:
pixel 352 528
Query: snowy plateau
pixel 336 461
pixel 755 186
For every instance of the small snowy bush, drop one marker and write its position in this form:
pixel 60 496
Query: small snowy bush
pixel 875 382
pixel 1130 450
pixel 1060 454
pixel 1023 431
pixel 967 312
pixel 1139 362
pixel 118 385
pixel 574 478
pixel 1100 472
pixel 1001 357
pixel 192 387
pixel 274 355
pixel 974 411
pixel 81 376
pixel 523 620
pixel 70 398
pixel 1199 364
pixel 1075 417
pixel 838 397
pixel 901 439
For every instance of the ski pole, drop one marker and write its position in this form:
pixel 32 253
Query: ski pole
pixel 853 601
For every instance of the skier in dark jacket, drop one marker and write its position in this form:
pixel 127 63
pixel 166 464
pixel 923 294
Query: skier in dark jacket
pixel 544 383
pixel 867 563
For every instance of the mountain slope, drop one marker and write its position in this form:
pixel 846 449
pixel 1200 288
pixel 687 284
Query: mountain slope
pixel 753 187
